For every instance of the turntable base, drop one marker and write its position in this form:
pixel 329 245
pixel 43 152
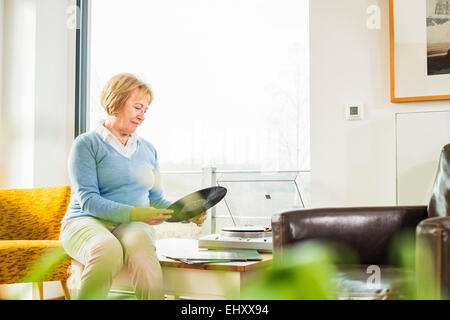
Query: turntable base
pixel 243 237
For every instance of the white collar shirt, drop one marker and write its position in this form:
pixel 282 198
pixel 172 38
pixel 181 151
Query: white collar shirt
pixel 127 151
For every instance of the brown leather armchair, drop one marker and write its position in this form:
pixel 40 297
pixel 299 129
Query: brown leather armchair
pixel 435 232
pixel 369 232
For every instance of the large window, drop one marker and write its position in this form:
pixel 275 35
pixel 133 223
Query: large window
pixel 230 78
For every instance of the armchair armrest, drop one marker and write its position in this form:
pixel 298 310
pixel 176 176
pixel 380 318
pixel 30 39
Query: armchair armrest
pixel 433 258
pixel 367 230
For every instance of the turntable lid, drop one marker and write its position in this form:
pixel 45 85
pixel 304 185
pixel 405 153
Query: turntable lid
pixel 254 197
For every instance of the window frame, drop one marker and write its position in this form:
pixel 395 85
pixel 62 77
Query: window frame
pixel 82 66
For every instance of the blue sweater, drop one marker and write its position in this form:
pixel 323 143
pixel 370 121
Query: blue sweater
pixel 106 184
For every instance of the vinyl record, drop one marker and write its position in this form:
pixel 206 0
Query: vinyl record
pixel 195 203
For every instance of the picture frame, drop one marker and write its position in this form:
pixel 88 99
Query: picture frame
pixel 418 50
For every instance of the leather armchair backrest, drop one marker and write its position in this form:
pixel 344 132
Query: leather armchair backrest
pixel 439 205
pixel 368 231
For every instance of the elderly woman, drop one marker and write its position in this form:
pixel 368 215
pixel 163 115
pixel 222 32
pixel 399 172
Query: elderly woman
pixel 116 197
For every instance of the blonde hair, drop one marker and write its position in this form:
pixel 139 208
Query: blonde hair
pixel 119 88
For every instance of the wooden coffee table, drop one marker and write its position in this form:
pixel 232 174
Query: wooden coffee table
pixel 201 281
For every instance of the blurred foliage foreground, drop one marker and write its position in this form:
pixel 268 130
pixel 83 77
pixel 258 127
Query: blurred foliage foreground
pixel 307 271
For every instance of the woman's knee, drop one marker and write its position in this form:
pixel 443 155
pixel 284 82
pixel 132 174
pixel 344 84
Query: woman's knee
pixel 138 239
pixel 108 250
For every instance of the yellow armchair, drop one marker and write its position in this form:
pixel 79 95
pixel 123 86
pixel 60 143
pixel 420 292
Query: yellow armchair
pixel 30 223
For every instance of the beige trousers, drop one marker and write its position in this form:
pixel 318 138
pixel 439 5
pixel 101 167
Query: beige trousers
pixel 104 248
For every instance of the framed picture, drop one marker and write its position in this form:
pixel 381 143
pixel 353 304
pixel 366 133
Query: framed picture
pixel 419 50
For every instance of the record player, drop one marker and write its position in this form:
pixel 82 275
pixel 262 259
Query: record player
pixel 252 199
pixel 239 237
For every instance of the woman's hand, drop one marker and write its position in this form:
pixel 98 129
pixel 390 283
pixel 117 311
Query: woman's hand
pixel 198 220
pixel 150 215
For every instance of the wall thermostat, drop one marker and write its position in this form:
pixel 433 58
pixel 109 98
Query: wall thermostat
pixel 354 112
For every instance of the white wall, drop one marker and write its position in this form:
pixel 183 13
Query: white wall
pixel 38 99
pixel 2 19
pixel 18 91
pixel 54 101
pixel 353 163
